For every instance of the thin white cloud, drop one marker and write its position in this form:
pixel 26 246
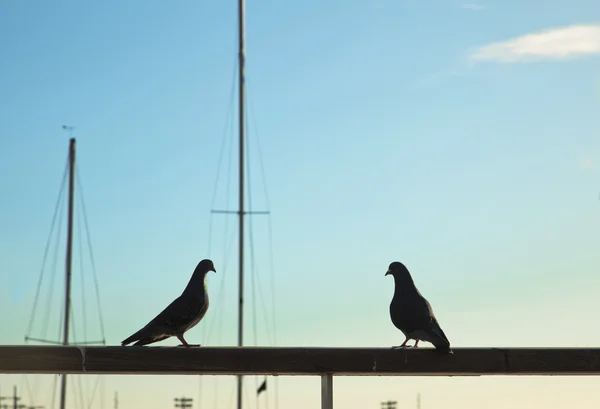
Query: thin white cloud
pixel 554 44
pixel 472 6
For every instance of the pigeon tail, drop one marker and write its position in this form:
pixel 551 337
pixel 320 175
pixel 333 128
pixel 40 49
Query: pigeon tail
pixel 143 339
pixel 131 339
pixel 438 338
pixel 141 334
pixel 149 340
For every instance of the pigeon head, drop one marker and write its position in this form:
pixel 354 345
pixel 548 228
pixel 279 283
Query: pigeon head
pixel 205 266
pixel 402 277
pixel 199 276
pixel 398 270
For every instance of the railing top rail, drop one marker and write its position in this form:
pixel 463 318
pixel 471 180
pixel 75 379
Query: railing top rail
pixel 297 361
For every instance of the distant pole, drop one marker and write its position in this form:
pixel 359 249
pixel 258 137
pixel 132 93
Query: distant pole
pixel 116 400
pixel 16 399
pixel 184 403
pixel 242 121
pixel 69 257
pixel 418 401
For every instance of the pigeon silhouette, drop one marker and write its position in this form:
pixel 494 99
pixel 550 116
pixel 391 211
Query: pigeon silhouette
pixel 411 313
pixel 182 314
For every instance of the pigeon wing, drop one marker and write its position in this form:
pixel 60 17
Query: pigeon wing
pixel 177 314
pixel 429 324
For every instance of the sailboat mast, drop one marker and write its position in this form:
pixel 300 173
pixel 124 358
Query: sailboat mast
pixel 242 114
pixel 69 257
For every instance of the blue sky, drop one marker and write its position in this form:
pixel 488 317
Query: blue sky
pixel 459 138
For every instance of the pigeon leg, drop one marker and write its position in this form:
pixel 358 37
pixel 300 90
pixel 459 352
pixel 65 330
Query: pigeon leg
pixel 416 343
pixel 403 344
pixel 184 342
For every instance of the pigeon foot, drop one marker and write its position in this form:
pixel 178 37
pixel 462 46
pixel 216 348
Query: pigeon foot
pixel 189 345
pixel 184 342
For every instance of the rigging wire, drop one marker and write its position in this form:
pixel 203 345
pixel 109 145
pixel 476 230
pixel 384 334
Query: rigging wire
pixel 90 250
pixel 77 382
pixel 54 388
pixel 220 298
pixel 101 381
pixel 46 321
pixel 73 329
pixel 252 254
pixel 77 389
pixel 47 248
pixel 94 390
pixel 273 313
pixel 85 389
pixel 80 388
pixel 246 394
pixel 227 244
pixel 82 274
pixel 226 145
pixel 269 224
pixel 220 316
pixel 56 233
pixel 228 123
pixel 218 320
pixel 255 276
pixel 46 317
pixel 27 387
pixel 231 396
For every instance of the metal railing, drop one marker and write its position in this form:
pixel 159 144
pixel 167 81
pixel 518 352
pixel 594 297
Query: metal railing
pixel 324 362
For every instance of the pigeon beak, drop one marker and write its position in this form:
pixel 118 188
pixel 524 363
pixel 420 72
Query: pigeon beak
pixel 388 273
pixel 213 270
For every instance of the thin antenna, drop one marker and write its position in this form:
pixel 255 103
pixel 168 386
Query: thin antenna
pixel 69 129
pixel 242 113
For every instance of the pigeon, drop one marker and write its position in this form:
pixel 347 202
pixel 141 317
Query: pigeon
pixel 411 313
pixel 182 314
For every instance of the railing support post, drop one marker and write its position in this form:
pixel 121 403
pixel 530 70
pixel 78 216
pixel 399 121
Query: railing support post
pixel 327 391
